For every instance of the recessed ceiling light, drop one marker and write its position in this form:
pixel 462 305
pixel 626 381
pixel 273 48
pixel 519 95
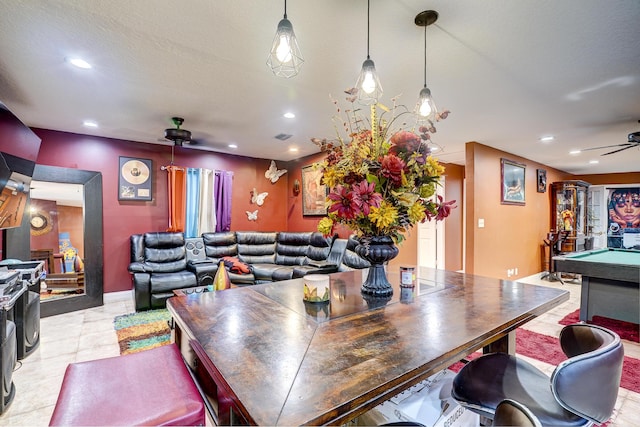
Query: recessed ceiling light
pixel 547 138
pixel 90 124
pixel 594 162
pixel 80 63
pixel 232 146
pixel 293 149
pixel 575 152
pixel 289 115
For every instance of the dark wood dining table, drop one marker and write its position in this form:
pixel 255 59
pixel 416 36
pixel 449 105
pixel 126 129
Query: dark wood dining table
pixel 266 357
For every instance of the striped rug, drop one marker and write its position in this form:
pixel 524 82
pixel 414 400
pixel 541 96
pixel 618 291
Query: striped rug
pixel 142 331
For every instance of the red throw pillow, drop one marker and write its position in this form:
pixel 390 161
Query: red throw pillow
pixel 236 266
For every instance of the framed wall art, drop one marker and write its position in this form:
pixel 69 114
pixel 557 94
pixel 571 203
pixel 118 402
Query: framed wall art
pixel 542 180
pixel 134 179
pixel 512 177
pixel 314 193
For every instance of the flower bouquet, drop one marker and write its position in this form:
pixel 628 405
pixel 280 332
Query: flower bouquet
pixel 382 180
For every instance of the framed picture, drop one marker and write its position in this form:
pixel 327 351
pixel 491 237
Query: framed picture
pixel 512 176
pixel 314 193
pixel 134 179
pixel 542 180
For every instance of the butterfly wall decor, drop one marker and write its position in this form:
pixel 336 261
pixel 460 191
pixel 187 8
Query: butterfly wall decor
pixel 258 198
pixel 273 174
pixel 252 216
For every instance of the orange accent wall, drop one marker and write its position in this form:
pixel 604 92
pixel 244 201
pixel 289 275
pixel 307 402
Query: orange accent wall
pixel 513 235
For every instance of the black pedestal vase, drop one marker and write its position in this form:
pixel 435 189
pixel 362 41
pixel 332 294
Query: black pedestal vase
pixel 377 250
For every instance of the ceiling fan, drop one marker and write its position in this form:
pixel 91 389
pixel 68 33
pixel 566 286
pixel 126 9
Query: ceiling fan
pixel 177 135
pixel 633 141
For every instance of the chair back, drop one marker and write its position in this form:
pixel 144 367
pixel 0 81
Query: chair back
pixel 587 383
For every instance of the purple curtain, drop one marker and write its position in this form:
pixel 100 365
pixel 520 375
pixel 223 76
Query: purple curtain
pixel 222 184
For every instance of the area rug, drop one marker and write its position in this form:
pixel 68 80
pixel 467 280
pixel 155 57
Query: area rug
pixel 627 330
pixel 547 349
pixel 142 331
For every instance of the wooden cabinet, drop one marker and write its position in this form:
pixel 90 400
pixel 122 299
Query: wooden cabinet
pixel 569 208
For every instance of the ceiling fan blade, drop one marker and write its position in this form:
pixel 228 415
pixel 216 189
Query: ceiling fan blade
pixel 622 149
pixel 605 146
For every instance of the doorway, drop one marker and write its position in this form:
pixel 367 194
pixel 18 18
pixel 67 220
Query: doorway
pixel 431 240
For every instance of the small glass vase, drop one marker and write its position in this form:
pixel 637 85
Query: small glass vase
pixel 377 250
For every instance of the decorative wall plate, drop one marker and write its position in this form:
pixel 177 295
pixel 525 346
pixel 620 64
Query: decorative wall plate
pixel 40 223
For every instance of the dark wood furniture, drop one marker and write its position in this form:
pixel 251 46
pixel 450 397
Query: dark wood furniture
pixel 265 357
pixel 570 196
pixel 610 282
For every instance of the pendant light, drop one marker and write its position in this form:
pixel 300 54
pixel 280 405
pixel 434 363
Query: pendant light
pixel 426 108
pixel 285 58
pixel 368 84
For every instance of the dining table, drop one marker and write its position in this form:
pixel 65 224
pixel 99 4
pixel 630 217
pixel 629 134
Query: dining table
pixel 262 355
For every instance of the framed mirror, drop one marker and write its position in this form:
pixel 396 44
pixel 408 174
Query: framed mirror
pixel 19 247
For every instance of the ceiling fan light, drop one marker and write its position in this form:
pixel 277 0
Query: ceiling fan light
pixel 285 58
pixel 368 84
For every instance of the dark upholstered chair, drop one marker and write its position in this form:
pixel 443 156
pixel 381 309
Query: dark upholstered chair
pixel 158 266
pixel 582 389
pixel 512 413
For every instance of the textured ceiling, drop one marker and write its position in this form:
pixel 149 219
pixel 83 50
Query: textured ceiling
pixel 510 71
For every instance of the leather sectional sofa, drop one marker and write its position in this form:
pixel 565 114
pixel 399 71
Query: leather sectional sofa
pixel 162 262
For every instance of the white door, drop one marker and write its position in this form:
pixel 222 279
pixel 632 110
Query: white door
pixel 431 241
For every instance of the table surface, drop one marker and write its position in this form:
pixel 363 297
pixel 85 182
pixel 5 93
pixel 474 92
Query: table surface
pixel 289 362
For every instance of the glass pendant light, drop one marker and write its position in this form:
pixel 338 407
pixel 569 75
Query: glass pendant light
pixel 285 58
pixel 426 108
pixel 368 85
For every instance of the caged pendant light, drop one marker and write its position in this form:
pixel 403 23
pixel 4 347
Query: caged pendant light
pixel 285 57
pixel 368 85
pixel 426 108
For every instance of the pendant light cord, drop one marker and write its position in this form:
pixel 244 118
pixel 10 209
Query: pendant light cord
pixel 368 9
pixel 425 56
pixel 285 9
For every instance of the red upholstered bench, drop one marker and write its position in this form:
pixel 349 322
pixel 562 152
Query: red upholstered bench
pixel 151 388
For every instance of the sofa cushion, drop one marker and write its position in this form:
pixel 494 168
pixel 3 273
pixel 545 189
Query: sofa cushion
pixel 319 247
pixel 292 248
pixel 163 240
pixel 256 247
pixel 137 248
pixel 170 281
pixel 282 273
pixel 264 272
pixel 219 245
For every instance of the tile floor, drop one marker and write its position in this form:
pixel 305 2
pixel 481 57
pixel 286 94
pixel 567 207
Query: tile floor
pixel 88 334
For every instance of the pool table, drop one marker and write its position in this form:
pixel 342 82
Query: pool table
pixel 610 282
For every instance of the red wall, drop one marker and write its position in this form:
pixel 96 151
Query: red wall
pixel 296 221
pixel 124 218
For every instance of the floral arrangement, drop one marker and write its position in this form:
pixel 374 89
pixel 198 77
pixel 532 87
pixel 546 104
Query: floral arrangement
pixel 382 181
